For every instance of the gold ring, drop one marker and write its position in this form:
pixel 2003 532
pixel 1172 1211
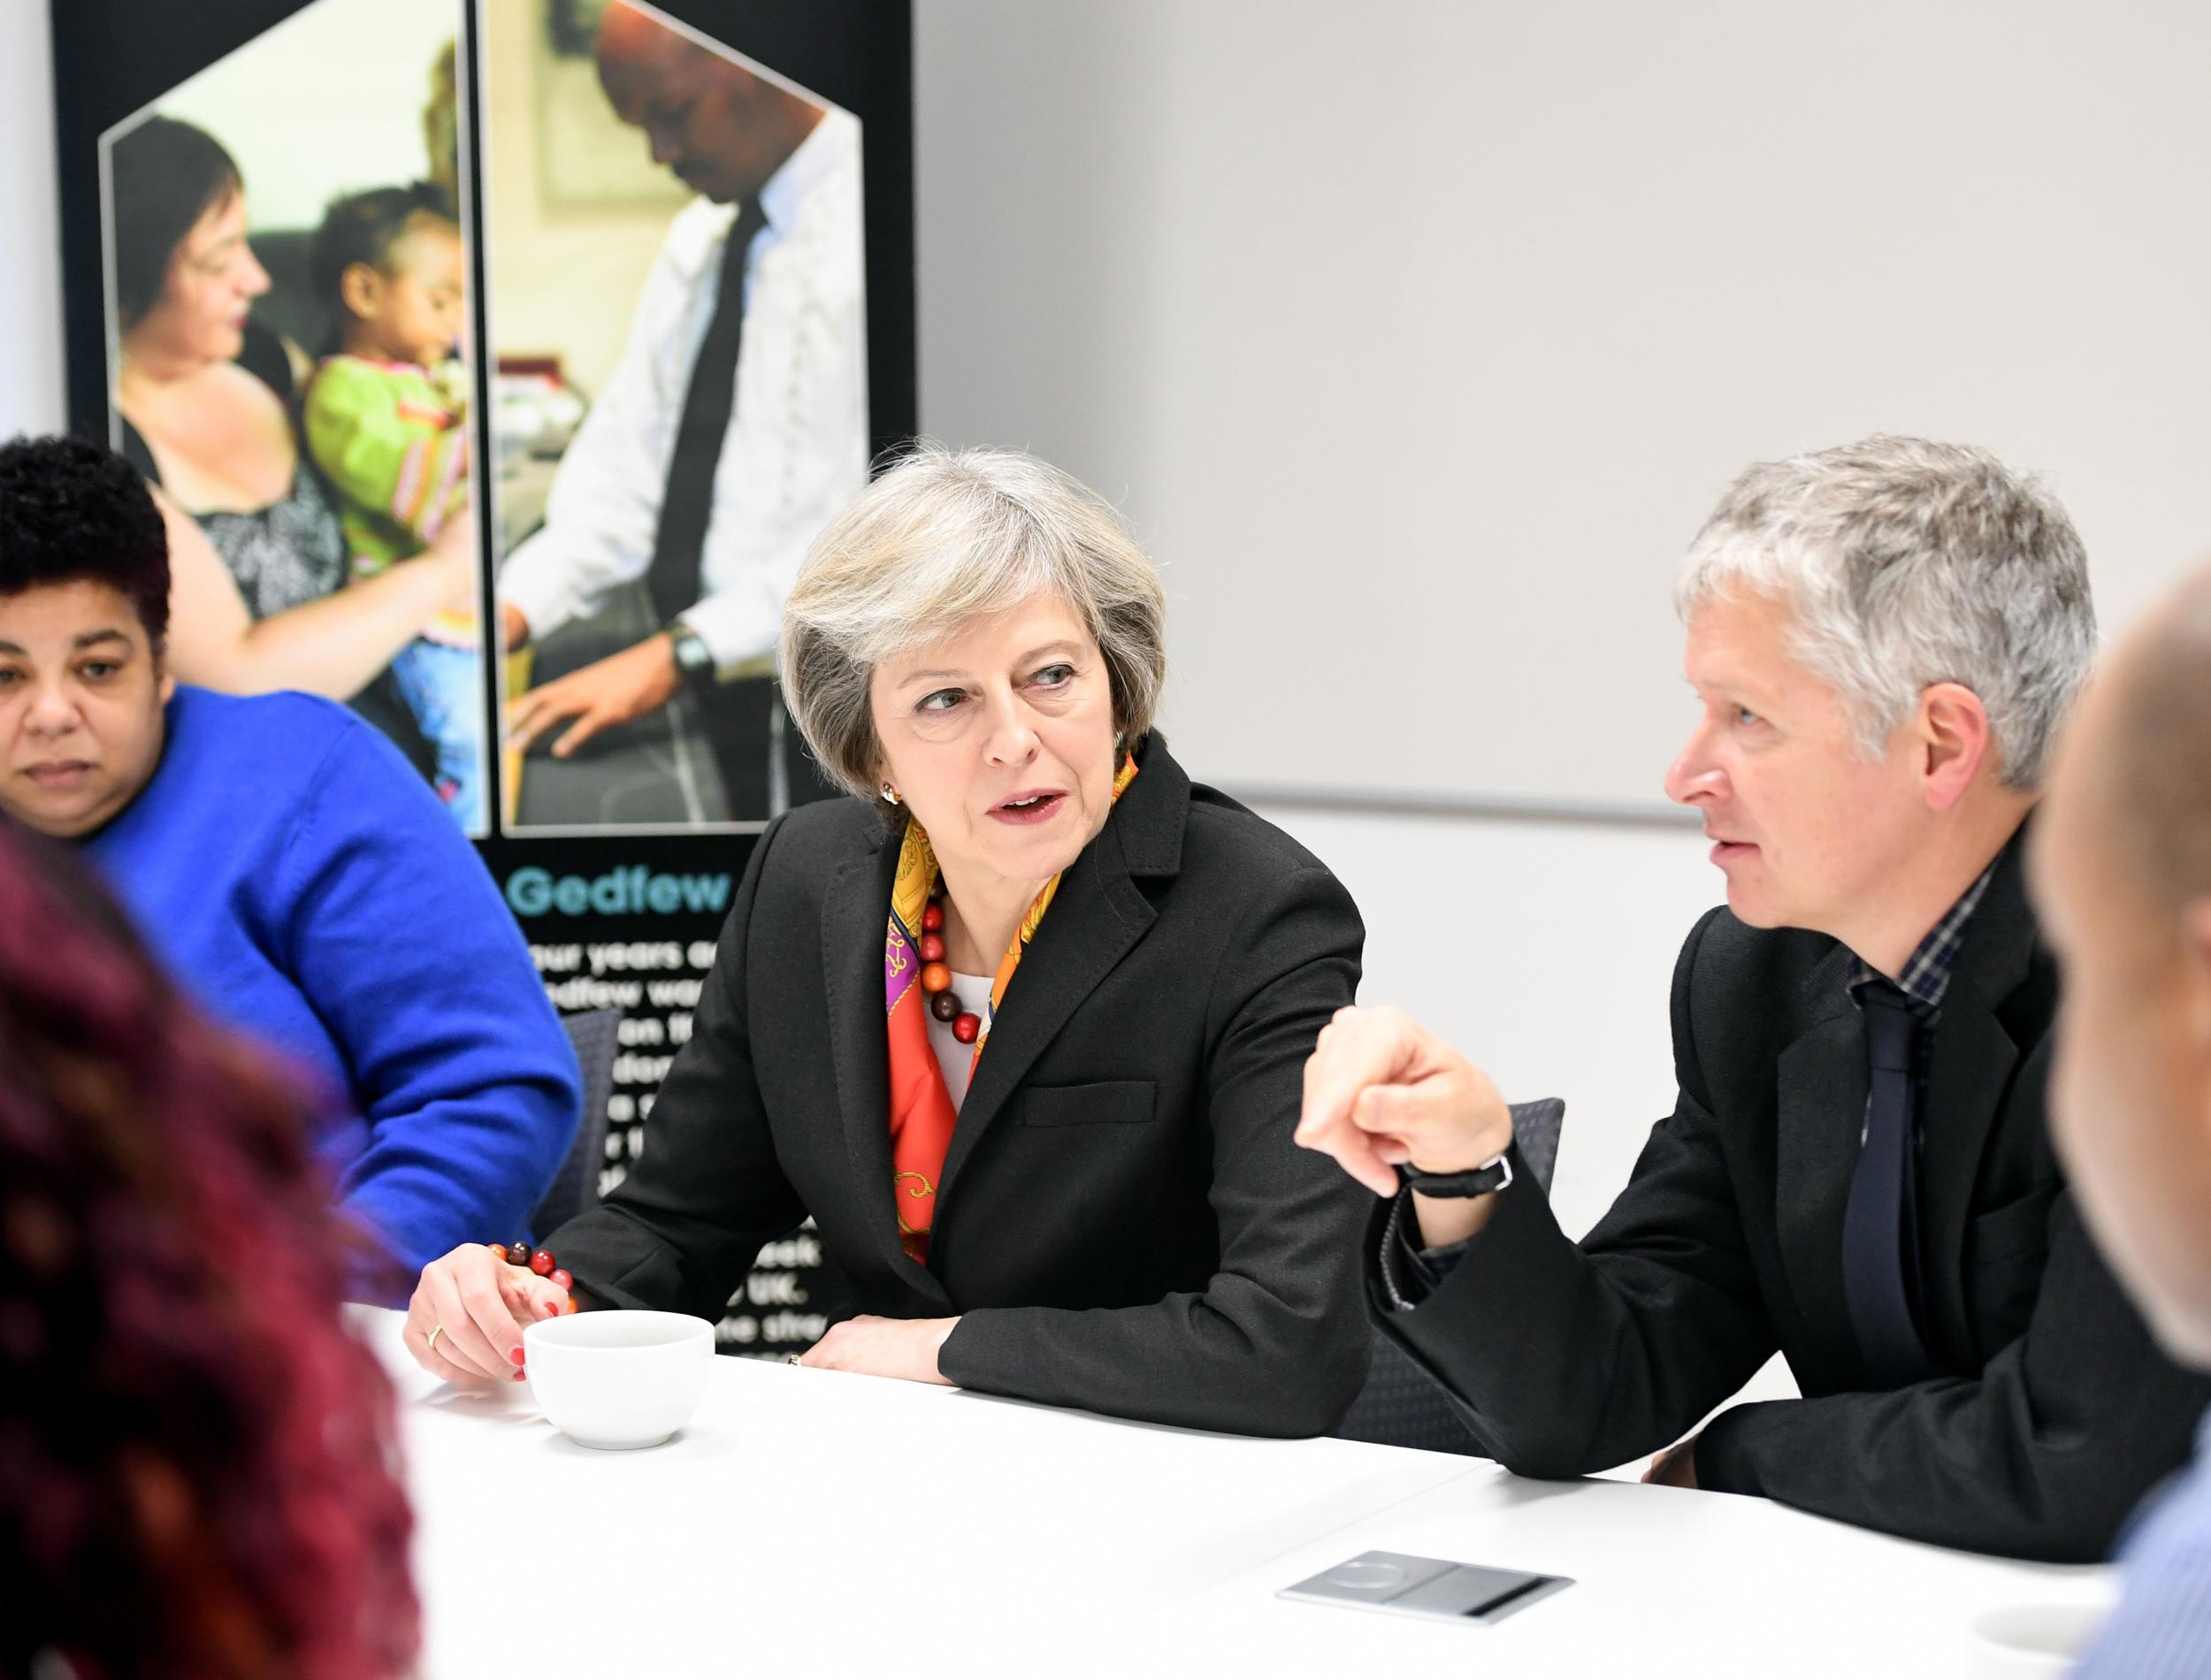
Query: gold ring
pixel 436 1331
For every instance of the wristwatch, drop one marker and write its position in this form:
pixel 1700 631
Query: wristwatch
pixel 1482 1181
pixel 694 660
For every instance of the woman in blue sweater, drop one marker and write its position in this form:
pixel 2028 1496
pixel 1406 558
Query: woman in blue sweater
pixel 285 862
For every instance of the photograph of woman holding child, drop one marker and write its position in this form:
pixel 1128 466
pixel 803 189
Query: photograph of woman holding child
pixel 319 519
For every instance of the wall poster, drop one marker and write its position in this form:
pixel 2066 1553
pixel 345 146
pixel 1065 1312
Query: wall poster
pixel 487 342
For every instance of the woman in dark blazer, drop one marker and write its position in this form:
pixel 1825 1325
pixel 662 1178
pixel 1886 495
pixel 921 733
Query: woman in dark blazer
pixel 1023 1034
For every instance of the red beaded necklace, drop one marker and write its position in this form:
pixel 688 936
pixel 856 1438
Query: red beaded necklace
pixel 936 972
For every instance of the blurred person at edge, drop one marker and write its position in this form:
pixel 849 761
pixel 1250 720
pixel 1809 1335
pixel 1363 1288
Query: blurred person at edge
pixel 293 872
pixel 1857 1172
pixel 195 1459
pixel 1019 1024
pixel 2122 872
pixel 733 426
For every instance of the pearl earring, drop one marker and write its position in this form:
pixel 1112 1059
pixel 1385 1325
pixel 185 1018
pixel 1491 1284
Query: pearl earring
pixel 889 794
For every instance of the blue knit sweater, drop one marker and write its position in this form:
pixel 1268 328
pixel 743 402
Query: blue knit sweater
pixel 304 884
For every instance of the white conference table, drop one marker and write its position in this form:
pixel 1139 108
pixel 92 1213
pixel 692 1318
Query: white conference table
pixel 848 1525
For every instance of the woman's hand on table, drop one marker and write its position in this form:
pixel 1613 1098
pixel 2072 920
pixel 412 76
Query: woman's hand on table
pixel 477 1305
pixel 883 1347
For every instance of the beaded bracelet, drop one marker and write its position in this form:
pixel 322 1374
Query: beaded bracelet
pixel 539 1261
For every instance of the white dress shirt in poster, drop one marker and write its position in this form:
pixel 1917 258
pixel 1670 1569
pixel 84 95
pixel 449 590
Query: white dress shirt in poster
pixel 797 448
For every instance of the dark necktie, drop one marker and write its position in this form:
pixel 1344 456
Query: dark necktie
pixel 1880 1225
pixel 679 542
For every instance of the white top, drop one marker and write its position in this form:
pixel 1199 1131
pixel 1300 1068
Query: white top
pixel 1062 1543
pixel 797 445
pixel 955 1058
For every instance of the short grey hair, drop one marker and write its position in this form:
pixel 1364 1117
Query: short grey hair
pixel 939 538
pixel 1907 563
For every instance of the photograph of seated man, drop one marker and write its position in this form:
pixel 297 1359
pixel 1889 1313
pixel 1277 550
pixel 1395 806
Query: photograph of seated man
pixel 732 426
pixel 1857 1172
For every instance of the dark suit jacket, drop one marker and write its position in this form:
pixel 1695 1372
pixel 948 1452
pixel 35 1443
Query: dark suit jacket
pixel 1123 1222
pixel 2055 1412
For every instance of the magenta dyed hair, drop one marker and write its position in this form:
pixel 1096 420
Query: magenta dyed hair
pixel 196 1460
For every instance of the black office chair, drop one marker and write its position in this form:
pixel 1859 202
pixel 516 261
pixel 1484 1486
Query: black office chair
pixel 1401 1405
pixel 596 1035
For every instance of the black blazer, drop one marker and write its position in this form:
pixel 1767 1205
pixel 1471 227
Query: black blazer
pixel 1123 1222
pixel 2056 1411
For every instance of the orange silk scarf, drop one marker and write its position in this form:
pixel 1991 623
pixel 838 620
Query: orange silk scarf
pixel 921 1114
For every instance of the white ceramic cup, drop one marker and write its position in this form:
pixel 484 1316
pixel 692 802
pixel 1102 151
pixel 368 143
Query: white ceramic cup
pixel 2033 1641
pixel 618 1378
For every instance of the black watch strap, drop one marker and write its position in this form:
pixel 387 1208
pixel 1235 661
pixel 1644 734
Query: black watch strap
pixel 694 660
pixel 1482 1181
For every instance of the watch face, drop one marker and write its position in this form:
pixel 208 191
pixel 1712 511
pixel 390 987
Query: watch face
pixel 692 656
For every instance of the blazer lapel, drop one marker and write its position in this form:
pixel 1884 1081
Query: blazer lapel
pixel 853 917
pixel 1095 916
pixel 1822 1082
pixel 1969 1069
pixel 1821 1088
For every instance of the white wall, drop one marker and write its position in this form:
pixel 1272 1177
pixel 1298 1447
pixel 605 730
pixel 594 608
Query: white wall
pixel 30 262
pixel 1419 335
pixel 1543 949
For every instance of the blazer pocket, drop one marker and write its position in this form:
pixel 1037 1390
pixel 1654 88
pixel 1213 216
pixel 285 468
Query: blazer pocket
pixel 1113 1102
pixel 2012 1232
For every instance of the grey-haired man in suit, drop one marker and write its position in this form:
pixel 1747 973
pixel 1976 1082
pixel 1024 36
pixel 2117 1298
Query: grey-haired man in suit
pixel 1857 1172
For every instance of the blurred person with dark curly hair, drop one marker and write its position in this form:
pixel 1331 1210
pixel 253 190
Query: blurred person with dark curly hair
pixel 195 1458
pixel 291 870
